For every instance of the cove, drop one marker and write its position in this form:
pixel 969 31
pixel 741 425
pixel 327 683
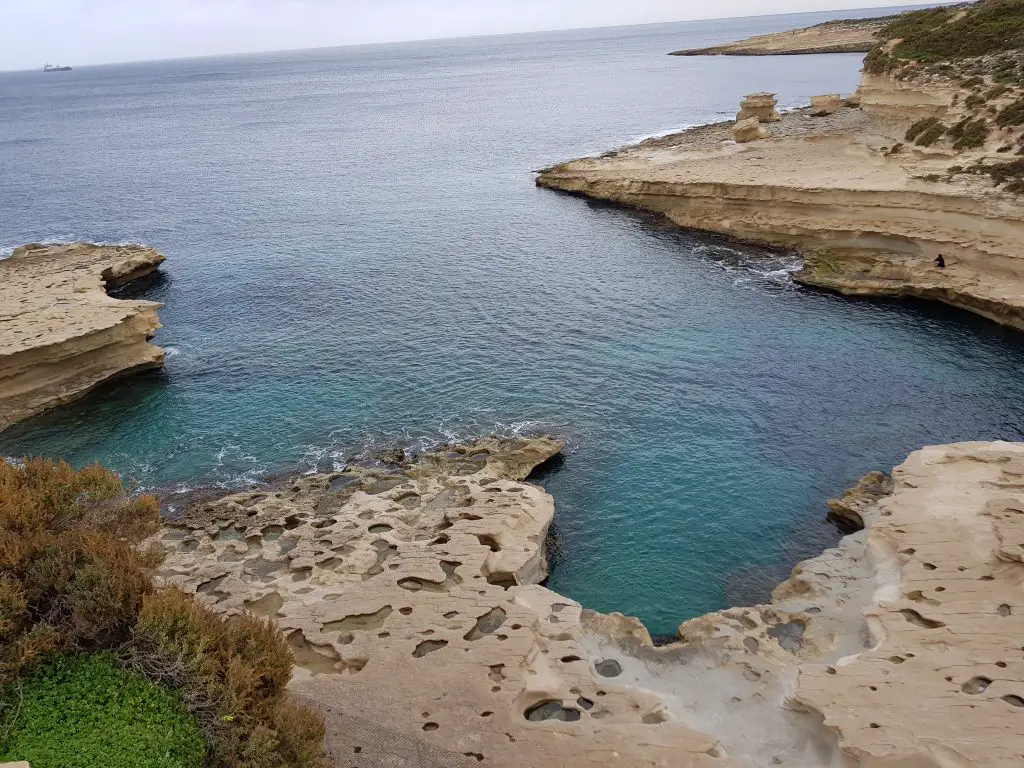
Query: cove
pixel 358 257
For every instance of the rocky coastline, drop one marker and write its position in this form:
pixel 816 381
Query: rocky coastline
pixel 61 333
pixel 411 595
pixel 842 36
pixel 857 186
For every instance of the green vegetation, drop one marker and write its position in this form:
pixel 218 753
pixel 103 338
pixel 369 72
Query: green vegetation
pixel 952 33
pixel 921 126
pixel 73 581
pixel 969 134
pixel 86 712
pixel 936 34
pixel 1012 114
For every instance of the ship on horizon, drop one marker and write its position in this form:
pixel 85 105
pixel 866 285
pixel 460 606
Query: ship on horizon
pixel 55 68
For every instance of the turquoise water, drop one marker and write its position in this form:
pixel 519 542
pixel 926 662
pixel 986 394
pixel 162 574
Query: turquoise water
pixel 358 256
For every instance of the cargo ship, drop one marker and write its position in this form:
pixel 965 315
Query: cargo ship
pixel 55 68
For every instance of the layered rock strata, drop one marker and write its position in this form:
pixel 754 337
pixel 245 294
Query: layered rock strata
pixel 871 211
pixel 410 596
pixel 853 36
pixel 61 334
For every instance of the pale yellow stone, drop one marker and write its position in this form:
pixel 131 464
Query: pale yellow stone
pixel 60 333
pixel 748 130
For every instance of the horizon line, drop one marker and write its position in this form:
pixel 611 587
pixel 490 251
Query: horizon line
pixel 933 3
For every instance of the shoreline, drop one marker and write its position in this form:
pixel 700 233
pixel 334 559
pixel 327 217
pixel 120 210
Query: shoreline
pixel 403 589
pixel 867 214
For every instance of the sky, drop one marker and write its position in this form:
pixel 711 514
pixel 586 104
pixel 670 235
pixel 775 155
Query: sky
pixel 81 32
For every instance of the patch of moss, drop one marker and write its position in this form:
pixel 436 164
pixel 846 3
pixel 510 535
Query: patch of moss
pixel 86 712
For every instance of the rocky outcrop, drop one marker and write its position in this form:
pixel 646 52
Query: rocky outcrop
pixel 410 596
pixel 827 104
pixel 844 36
pixel 748 130
pixel 759 106
pixel 61 334
pixel 871 213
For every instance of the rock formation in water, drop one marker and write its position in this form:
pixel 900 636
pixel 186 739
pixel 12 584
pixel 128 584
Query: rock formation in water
pixel 872 196
pixel 61 334
pixel 844 36
pixel 411 597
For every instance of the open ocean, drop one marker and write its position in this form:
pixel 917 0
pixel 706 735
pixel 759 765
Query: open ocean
pixel 357 256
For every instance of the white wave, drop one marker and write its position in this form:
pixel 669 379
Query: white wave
pixel 67 239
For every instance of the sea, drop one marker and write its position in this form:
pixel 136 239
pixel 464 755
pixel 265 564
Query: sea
pixel 358 258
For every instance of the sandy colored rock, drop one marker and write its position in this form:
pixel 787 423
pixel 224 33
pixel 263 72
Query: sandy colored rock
pixel 409 596
pixel 61 334
pixel 870 211
pixel 760 106
pixel 748 130
pixel 843 36
pixel 826 104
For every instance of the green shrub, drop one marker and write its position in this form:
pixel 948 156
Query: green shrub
pixel 86 712
pixel 932 134
pixel 969 134
pixel 921 126
pixel 1012 114
pixel 232 675
pixel 72 579
pixel 935 34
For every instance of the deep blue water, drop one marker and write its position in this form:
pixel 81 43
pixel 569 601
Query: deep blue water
pixel 358 255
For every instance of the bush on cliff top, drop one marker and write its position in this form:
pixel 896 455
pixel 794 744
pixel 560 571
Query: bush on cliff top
pixel 72 580
pixel 86 712
pixel 950 34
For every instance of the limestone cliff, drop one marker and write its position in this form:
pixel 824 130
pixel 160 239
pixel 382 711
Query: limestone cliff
pixel 844 36
pixel 61 334
pixel 410 596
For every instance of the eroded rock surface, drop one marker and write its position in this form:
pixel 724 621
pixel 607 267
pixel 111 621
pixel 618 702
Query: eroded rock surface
pixel 870 210
pixel 409 594
pixel 61 334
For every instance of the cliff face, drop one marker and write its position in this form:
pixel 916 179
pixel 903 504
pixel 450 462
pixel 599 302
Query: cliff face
pixel 61 334
pixel 871 211
pixel 848 36
pixel 410 596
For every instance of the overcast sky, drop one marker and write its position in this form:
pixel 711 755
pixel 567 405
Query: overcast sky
pixel 99 31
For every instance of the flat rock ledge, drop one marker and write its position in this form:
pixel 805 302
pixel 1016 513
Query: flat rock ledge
pixel 411 597
pixel 870 214
pixel 843 36
pixel 61 334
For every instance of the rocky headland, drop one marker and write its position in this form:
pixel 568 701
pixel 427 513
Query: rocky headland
pixel 61 333
pixel 922 161
pixel 842 36
pixel 411 595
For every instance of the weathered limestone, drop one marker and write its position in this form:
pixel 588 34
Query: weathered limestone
pixel 843 36
pixel 409 595
pixel 748 130
pixel 870 213
pixel 759 105
pixel 827 104
pixel 60 333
